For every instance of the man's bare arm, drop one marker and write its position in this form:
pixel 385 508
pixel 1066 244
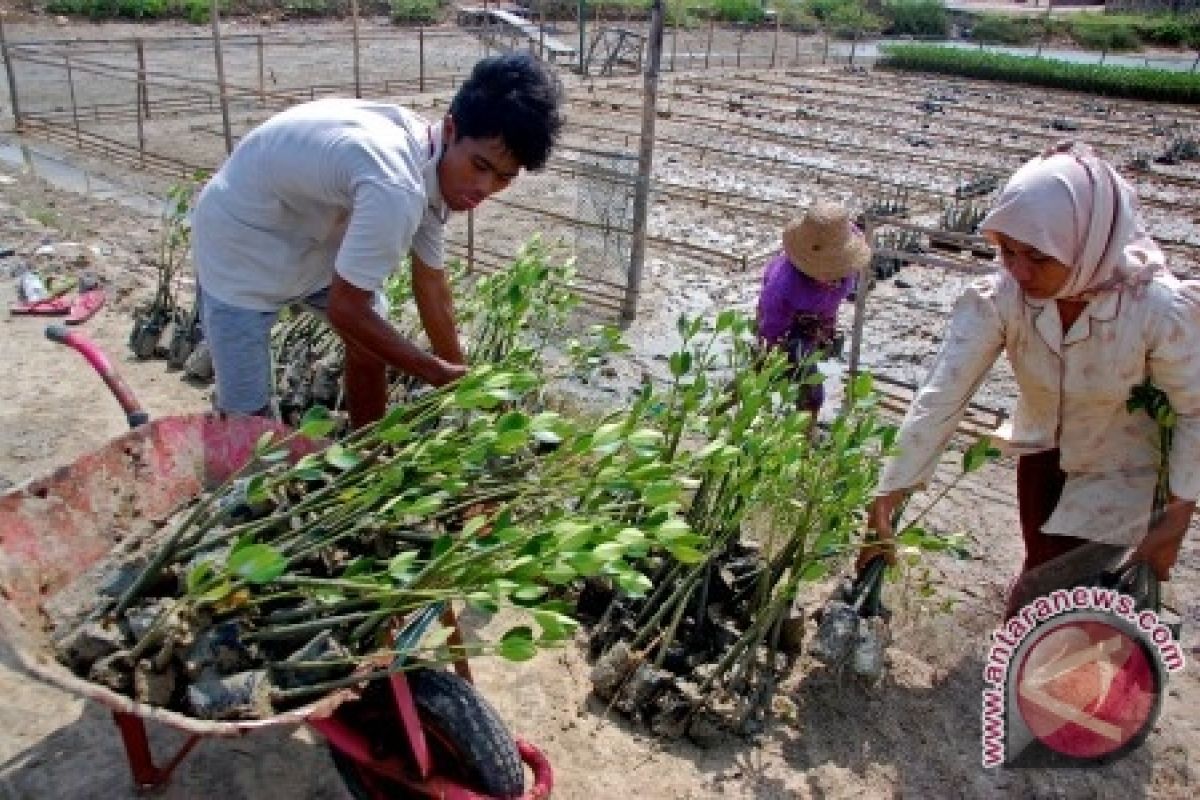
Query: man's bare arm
pixel 435 305
pixel 352 314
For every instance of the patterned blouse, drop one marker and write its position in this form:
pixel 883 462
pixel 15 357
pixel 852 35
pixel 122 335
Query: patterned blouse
pixel 1072 394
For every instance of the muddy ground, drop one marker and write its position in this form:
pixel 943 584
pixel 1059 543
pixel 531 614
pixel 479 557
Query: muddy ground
pixel 917 735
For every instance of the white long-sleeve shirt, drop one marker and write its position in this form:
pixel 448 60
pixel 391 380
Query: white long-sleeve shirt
pixel 1072 394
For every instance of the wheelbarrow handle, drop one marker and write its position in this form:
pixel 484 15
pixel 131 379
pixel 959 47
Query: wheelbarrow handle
pixel 134 414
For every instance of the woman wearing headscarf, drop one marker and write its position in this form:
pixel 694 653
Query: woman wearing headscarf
pixel 1085 310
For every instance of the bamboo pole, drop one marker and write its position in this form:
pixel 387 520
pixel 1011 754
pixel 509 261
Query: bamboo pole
pixel 354 39
pixel 712 24
pixel 144 96
pixel 860 311
pixel 470 241
pixel 583 67
pixel 216 35
pixel 139 96
pixel 775 40
pixel 262 69
pixel 641 199
pixel 12 78
pixel 74 106
pixel 421 59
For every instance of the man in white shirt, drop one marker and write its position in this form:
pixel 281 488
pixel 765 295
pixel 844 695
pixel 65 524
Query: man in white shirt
pixel 319 204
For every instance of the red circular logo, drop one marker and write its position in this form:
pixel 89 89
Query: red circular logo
pixel 1086 688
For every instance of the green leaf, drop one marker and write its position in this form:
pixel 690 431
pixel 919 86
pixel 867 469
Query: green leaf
pixel 645 438
pixel 660 492
pixel 517 644
pixel 216 593
pixel 257 563
pixel 555 626
pixel 512 421
pixel 256 491
pixel 529 593
pixel 977 454
pixel 672 529
pixel 606 434
pixel 585 563
pixel 401 565
pixel 609 551
pixel 510 442
pixel 634 583
pixel 559 573
pixel 317 422
pixel 442 544
pixel 685 554
pixel 199 576
pixel 339 457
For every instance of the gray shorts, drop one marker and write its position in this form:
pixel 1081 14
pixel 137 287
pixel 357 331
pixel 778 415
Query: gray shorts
pixel 240 342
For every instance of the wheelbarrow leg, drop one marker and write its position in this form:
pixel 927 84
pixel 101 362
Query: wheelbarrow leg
pixel 137 748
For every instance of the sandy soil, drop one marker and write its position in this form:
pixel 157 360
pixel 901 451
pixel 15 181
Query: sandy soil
pixel 917 735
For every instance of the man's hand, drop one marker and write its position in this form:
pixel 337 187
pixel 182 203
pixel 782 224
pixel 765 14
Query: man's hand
pixel 1161 546
pixel 879 522
pixel 448 372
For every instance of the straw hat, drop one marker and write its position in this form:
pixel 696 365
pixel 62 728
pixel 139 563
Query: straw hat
pixel 824 245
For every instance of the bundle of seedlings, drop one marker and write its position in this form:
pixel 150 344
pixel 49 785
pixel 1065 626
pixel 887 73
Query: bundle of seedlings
pixel 720 627
pixel 522 305
pixel 308 360
pixel 168 326
pixel 289 581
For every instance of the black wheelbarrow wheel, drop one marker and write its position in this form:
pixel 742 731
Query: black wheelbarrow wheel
pixel 465 734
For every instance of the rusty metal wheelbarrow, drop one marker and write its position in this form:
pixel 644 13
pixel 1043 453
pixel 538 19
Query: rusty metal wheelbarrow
pixel 424 733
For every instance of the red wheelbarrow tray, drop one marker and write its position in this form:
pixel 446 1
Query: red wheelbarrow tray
pixel 55 528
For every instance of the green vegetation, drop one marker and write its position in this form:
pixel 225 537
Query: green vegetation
pixel 195 11
pixel 1133 82
pixel 415 11
pixel 916 18
pixel 1002 29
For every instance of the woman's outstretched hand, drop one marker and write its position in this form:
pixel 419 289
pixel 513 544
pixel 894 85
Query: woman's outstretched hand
pixel 879 526
pixel 1161 546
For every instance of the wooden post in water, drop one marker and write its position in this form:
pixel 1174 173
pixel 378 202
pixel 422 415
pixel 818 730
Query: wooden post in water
pixel 215 10
pixel 641 197
pixel 12 78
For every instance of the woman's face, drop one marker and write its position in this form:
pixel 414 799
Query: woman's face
pixel 1040 276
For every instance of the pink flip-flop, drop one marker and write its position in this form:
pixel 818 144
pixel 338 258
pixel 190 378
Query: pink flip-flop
pixel 85 306
pixel 50 307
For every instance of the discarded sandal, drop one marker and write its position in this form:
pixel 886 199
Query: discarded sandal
pixel 50 307
pixel 85 306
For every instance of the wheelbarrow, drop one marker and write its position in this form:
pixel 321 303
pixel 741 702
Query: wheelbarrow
pixel 422 733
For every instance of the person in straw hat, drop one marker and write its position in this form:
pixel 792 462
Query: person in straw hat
pixel 804 285
pixel 1085 310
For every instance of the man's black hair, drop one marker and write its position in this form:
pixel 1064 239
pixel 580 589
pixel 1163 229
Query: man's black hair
pixel 515 97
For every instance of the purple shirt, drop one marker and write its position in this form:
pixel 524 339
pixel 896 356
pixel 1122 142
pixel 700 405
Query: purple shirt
pixel 787 294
